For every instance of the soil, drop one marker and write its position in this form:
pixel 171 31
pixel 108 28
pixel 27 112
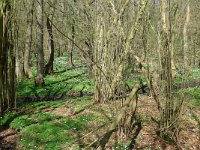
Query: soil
pixel 8 139
pixel 189 135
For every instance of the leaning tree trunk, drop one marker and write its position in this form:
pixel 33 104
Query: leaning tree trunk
pixel 7 58
pixel 39 80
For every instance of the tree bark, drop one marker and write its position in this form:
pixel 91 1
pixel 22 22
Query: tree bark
pixel 185 37
pixel 49 66
pixel 71 47
pixel 7 58
pixel 71 44
pixel 18 71
pixel 113 43
pixel 39 81
pixel 28 43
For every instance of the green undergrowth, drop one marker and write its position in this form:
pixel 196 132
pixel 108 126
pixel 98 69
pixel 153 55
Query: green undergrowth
pixel 192 74
pixel 6 118
pixel 41 128
pixel 193 96
pixel 64 80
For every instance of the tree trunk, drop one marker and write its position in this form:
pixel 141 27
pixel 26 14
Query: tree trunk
pixel 61 47
pixel 71 47
pixel 71 44
pixel 62 40
pixel 113 43
pixel 169 107
pixel 28 43
pixel 7 58
pixel 185 37
pixel 18 71
pixel 49 66
pixel 39 81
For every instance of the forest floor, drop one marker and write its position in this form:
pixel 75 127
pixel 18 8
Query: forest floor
pixel 62 115
pixel 63 125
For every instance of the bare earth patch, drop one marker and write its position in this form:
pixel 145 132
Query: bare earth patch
pixel 189 131
pixel 8 139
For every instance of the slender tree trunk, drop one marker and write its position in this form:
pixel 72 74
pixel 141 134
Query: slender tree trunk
pixel 61 40
pixel 185 37
pixel 18 68
pixel 71 47
pixel 39 80
pixel 49 66
pixel 18 71
pixel 113 43
pixel 61 47
pixel 169 107
pixel 28 44
pixel 89 64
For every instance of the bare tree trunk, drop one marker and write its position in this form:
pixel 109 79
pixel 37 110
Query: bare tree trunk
pixel 61 47
pixel 168 106
pixel 62 40
pixel 18 71
pixel 185 37
pixel 71 48
pixel 49 66
pixel 28 44
pixel 112 47
pixel 18 68
pixel 71 44
pixel 39 81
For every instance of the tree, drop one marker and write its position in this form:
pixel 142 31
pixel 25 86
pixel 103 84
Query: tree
pixel 28 43
pixel 39 80
pixel 7 57
pixel 49 65
pixel 71 45
pixel 185 35
pixel 115 32
pixel 168 101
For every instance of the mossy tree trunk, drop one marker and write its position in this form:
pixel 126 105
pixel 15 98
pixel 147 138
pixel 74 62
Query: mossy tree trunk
pixel 7 57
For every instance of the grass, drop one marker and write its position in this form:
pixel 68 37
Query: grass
pixel 64 80
pixel 193 95
pixel 6 118
pixel 46 130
